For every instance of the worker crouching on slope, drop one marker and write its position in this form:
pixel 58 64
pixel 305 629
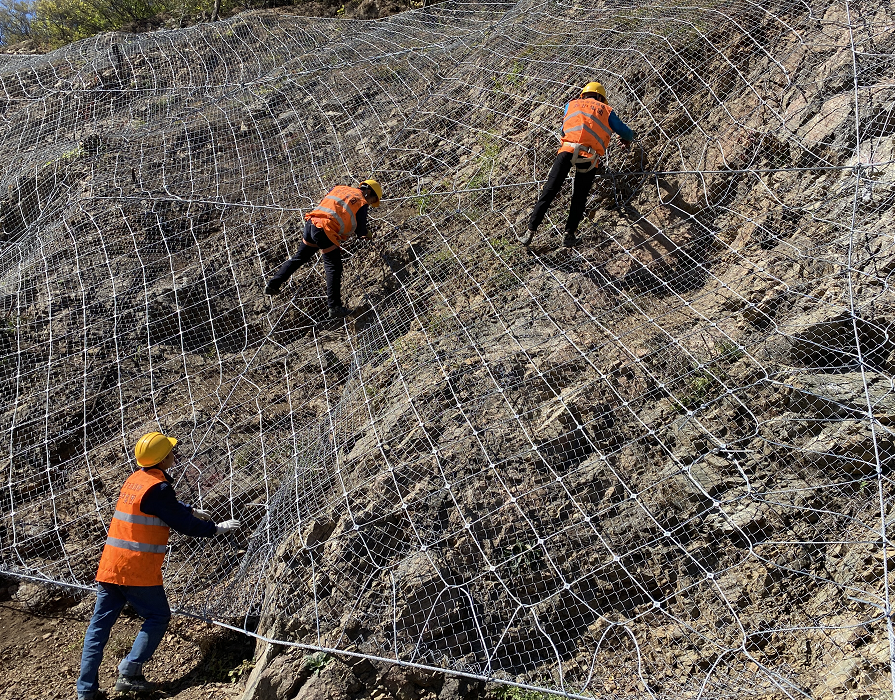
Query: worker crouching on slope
pixel 341 212
pixel 587 127
pixel 130 569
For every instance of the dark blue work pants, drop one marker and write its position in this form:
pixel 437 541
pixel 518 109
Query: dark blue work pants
pixel 150 603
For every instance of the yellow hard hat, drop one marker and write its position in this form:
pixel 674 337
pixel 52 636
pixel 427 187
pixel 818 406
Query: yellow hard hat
pixel 152 448
pixel 377 188
pixel 594 87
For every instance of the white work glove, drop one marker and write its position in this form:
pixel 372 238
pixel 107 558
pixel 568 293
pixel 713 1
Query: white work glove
pixel 201 514
pixel 228 526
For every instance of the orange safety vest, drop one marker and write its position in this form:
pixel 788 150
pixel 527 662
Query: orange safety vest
pixel 585 129
pixel 336 214
pixel 137 542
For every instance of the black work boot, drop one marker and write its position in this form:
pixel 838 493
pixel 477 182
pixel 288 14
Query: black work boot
pixel 339 312
pixel 570 239
pixel 525 238
pixel 271 289
pixel 133 684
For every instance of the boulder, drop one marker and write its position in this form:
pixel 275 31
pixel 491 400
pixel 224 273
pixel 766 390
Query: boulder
pixel 829 120
pixel 276 677
pixel 843 395
pixel 710 475
pixel 863 675
pixel 426 602
pixel 825 338
pixel 750 520
pixel 335 681
pixel 850 447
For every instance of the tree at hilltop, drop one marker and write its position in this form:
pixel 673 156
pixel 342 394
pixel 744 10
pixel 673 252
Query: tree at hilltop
pixel 49 24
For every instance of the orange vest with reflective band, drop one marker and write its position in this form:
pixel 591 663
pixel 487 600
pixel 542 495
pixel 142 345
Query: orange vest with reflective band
pixel 137 542
pixel 336 214
pixel 586 123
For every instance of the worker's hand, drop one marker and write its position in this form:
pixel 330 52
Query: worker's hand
pixel 228 526
pixel 201 514
pixel 374 227
pixel 626 144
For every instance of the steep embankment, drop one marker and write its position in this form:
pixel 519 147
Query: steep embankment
pixel 657 463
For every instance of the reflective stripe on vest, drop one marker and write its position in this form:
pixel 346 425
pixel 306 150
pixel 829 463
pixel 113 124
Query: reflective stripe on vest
pixel 139 519
pixel 137 542
pixel 587 123
pixel 337 213
pixel 137 546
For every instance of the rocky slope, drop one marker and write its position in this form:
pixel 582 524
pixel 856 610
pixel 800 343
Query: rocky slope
pixel 657 463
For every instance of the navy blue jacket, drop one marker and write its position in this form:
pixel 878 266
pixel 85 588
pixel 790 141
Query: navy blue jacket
pixel 161 501
pixel 361 218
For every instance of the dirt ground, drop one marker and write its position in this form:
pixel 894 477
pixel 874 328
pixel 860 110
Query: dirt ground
pixel 40 655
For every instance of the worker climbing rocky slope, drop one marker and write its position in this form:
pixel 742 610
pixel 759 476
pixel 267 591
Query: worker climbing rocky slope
pixel 657 463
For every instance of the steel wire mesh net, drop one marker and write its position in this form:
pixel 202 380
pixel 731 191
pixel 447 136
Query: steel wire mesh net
pixel 654 464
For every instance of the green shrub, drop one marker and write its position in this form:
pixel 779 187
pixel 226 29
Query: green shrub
pixel 53 23
pixel 511 692
pixel 317 661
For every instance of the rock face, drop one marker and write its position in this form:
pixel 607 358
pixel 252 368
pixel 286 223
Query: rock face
pixel 655 464
pixel 292 675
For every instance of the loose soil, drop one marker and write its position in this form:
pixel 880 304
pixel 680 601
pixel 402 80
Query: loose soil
pixel 40 655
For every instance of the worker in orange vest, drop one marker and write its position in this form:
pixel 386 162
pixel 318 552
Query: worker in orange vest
pixel 130 568
pixel 342 211
pixel 588 124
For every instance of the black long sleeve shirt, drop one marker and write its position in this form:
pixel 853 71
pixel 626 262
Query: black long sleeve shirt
pixel 161 501
pixel 361 218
